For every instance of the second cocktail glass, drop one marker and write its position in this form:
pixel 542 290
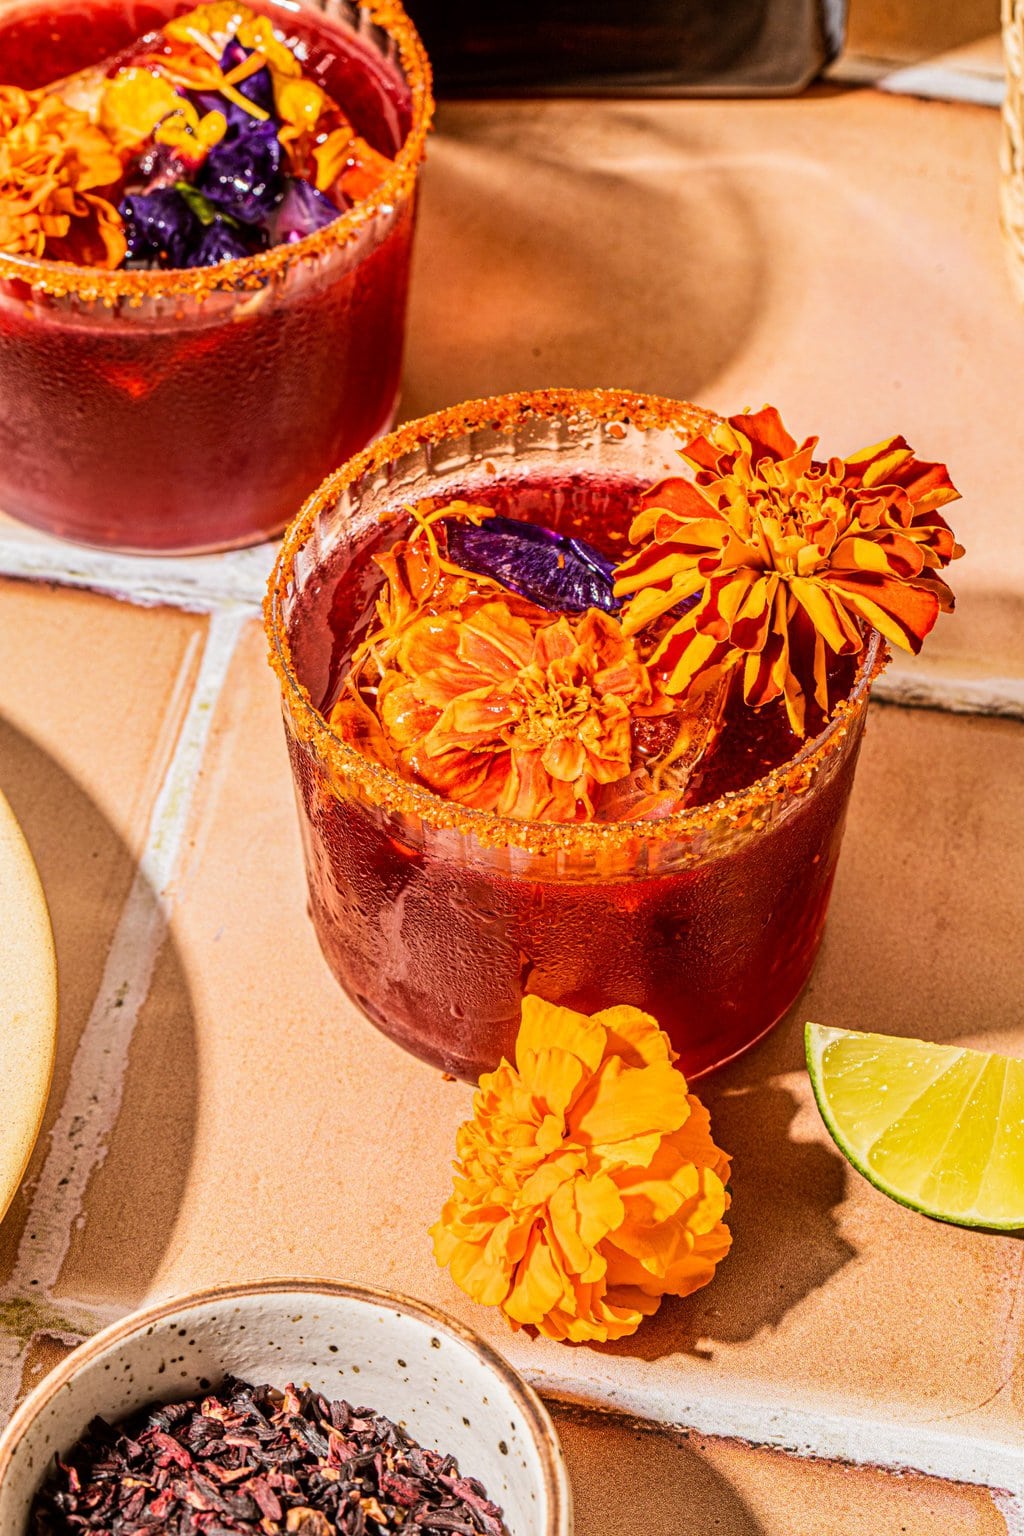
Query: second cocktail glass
pixel 188 410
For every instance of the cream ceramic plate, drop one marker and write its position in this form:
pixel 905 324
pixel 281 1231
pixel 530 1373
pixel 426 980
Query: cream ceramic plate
pixel 28 1004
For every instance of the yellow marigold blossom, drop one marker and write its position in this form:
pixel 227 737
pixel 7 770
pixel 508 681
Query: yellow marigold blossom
pixel 587 1184
pixel 138 104
pixel 782 558
pixel 491 701
pixel 313 128
pixel 54 166
pixel 346 161
pixel 197 42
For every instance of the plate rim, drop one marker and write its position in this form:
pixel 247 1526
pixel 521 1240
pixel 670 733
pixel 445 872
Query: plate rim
pixel 29 943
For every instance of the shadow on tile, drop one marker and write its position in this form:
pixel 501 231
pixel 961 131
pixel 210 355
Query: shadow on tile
pixel 115 1245
pixel 631 1480
pixel 541 245
pixel 786 1238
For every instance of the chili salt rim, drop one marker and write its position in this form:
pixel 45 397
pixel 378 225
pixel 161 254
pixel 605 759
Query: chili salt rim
pixel 399 796
pixel 64 278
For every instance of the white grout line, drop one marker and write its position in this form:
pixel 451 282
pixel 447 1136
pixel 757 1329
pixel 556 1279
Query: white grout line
pixel 198 583
pixel 1011 1507
pixel 958 695
pixel 898 1447
pixel 933 82
pixel 80 1135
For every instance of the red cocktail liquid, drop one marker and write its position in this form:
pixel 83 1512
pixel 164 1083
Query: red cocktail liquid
pixel 438 946
pixel 187 424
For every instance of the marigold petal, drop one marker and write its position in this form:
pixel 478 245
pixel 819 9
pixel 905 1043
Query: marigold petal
pixel 888 554
pixel 826 612
pixel 473 1269
pixel 635 1036
pixel 353 719
pixel 903 614
pixel 620 1103
pixel 549 1027
pixel 673 494
pixel 565 759
pixel 537 1284
pixel 765 434
pixel 582 1213
pixel 475 720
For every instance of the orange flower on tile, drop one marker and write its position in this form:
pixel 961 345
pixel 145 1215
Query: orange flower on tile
pixel 54 167
pixel 783 558
pixel 587 1185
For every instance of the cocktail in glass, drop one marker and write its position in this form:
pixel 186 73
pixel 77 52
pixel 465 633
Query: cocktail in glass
pixel 437 918
pixel 193 410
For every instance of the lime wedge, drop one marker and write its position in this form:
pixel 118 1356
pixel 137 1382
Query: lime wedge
pixel 935 1127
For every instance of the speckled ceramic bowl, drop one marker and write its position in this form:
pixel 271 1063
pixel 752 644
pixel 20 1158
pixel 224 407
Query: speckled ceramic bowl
pixel 381 1351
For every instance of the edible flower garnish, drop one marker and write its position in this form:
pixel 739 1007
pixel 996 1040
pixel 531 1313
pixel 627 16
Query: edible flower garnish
pixel 551 569
pixel 788 558
pixel 587 1185
pixel 211 115
pixel 138 105
pixel 55 167
pixel 488 699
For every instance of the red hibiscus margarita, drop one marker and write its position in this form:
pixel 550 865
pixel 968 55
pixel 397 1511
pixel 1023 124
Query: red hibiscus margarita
pixel 206 219
pixel 574 686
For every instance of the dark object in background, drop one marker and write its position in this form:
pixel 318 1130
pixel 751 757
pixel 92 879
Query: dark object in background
pixel 650 47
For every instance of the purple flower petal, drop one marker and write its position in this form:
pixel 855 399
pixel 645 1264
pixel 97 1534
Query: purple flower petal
pixel 159 227
pixel 219 242
pixel 563 574
pixel 242 174
pixel 300 211
pixel 259 88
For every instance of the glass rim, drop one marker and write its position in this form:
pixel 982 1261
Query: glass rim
pixel 63 278
pixel 394 794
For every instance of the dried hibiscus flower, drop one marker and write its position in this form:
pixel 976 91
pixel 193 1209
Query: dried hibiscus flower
pixel 251 1459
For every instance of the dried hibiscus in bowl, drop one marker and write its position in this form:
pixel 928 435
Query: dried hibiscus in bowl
pixel 252 1459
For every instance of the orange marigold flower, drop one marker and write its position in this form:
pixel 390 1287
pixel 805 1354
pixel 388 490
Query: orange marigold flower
pixel 488 699
pixel 498 712
pixel 54 165
pixel 587 1185
pixel 785 557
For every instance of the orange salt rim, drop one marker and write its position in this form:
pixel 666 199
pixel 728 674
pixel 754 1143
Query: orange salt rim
pixel 352 773
pixel 62 278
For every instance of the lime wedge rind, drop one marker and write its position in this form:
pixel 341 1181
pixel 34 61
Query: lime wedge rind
pixel 818 1038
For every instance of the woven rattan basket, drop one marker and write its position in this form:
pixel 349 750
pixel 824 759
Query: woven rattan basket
pixel 1012 150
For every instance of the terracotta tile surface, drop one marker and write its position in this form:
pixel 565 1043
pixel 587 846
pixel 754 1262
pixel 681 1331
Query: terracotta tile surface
pixel 838 255
pixel 278 1099
pixel 919 29
pixel 92 694
pixel 631 1481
